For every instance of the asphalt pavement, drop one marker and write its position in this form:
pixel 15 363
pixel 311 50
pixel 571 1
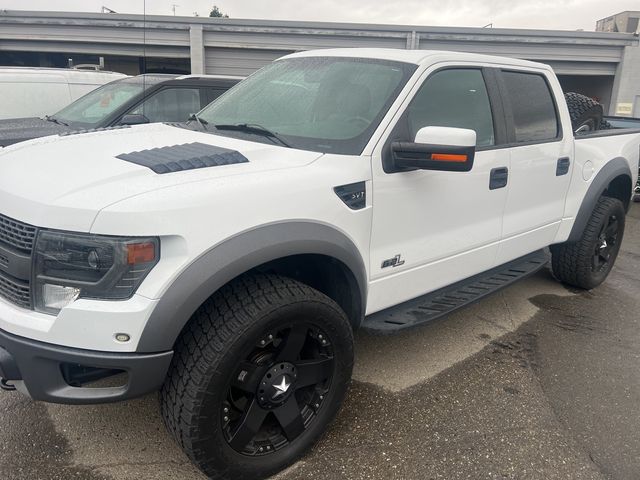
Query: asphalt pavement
pixel 535 382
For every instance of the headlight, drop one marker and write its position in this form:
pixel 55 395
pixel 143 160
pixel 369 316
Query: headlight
pixel 71 265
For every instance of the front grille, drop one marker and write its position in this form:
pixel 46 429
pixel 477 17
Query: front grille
pixel 15 291
pixel 20 238
pixel 17 234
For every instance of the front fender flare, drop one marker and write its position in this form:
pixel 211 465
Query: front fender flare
pixel 235 256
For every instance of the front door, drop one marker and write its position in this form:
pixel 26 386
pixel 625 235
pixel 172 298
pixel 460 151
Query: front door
pixel 430 228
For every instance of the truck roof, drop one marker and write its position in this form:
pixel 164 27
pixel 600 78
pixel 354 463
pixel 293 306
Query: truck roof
pixel 417 57
pixel 197 76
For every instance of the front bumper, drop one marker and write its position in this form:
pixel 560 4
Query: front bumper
pixel 38 367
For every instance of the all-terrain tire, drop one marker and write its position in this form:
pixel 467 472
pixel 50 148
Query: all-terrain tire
pixel 585 112
pixel 582 264
pixel 234 321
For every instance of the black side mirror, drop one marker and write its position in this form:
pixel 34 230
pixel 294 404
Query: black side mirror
pixel 134 119
pixel 436 148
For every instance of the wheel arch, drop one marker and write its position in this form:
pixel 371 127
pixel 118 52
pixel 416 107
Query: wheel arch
pixel 314 253
pixel 613 180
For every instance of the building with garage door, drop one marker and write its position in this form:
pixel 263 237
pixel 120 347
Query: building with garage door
pixel 605 66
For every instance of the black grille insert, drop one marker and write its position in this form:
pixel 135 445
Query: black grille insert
pixel 17 234
pixel 15 291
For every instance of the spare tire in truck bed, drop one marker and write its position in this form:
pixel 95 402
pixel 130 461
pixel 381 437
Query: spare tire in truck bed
pixel 586 114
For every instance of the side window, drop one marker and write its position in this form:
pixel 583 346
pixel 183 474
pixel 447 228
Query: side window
pixel 170 105
pixel 211 95
pixel 534 113
pixel 453 98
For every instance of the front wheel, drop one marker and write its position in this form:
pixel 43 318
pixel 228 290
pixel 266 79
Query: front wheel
pixel 587 262
pixel 257 377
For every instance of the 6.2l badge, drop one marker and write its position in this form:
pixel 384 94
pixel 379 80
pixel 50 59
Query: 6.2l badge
pixel 393 262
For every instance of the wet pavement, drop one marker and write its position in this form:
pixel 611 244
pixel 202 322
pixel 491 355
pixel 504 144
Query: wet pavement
pixel 535 382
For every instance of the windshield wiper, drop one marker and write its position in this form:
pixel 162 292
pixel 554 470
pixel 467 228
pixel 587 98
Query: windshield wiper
pixel 201 121
pixel 51 118
pixel 253 128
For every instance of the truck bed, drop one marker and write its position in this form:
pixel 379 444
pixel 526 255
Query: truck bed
pixel 623 122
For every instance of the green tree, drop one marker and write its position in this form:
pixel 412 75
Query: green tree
pixel 215 12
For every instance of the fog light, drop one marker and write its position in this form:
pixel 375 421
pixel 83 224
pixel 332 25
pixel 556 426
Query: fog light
pixel 57 297
pixel 122 337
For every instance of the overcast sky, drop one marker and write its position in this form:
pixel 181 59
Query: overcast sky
pixel 547 14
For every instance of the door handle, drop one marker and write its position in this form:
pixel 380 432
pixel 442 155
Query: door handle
pixel 563 165
pixel 498 178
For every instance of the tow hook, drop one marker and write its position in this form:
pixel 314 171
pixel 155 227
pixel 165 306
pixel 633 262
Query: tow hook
pixel 5 385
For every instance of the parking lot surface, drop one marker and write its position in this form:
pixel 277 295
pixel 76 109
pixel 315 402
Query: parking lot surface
pixel 537 382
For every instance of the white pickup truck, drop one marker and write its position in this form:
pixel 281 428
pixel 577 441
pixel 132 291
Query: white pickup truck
pixel 227 261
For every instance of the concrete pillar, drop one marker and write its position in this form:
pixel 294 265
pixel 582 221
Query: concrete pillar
pixel 196 40
pixel 625 98
pixel 412 40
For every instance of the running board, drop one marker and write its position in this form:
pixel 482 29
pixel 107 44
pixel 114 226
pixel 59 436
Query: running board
pixel 436 304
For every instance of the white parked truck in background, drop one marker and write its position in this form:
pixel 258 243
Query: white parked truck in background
pixel 36 92
pixel 226 262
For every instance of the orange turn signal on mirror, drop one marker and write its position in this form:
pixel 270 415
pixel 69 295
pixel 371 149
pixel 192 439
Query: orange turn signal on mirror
pixel 449 157
pixel 140 253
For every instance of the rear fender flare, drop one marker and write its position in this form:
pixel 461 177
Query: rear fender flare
pixel 614 168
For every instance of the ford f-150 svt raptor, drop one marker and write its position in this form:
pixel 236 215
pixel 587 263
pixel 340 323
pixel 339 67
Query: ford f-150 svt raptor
pixel 226 262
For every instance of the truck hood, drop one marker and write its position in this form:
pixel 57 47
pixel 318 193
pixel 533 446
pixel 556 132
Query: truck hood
pixel 63 182
pixel 16 130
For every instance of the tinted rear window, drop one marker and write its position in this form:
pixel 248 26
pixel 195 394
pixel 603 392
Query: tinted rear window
pixel 534 112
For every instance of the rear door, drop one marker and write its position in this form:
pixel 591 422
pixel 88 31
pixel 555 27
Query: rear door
pixel 541 162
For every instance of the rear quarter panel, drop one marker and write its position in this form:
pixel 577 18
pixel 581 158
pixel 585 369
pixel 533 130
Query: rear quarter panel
pixel 591 154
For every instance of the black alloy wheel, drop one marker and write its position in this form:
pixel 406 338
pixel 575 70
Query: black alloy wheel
pixel 257 376
pixel 607 244
pixel 278 389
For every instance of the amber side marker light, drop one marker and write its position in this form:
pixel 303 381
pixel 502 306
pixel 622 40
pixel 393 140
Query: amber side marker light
pixel 449 157
pixel 140 253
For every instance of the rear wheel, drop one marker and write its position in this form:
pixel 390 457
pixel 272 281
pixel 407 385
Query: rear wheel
pixel 587 262
pixel 258 376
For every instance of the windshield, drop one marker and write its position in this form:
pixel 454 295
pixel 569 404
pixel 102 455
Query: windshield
pixel 95 106
pixel 325 104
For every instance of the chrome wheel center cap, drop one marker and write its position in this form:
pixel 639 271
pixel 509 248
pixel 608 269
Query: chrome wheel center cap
pixel 276 385
pixel 281 388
